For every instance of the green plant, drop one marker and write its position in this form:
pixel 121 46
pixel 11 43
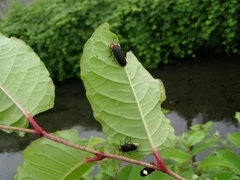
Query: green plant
pixel 122 99
pixel 222 163
pixel 157 31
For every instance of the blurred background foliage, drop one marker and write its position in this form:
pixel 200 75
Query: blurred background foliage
pixel 157 31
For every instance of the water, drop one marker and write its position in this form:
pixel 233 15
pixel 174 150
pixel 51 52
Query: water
pixel 197 91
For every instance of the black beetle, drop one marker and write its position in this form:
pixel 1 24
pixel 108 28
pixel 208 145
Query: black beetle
pixel 146 171
pixel 126 147
pixel 116 49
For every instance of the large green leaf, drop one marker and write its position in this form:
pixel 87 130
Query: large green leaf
pixel 125 100
pixel 49 160
pixel 25 79
pixel 224 176
pixel 234 138
pixel 232 157
pixel 224 158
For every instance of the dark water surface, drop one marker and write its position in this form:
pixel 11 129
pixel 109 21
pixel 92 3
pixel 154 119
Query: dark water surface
pixel 197 91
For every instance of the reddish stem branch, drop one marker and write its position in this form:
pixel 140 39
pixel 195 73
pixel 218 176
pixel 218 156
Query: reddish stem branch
pixel 99 155
pixel 97 158
pixel 35 125
pixel 161 164
pixel 18 129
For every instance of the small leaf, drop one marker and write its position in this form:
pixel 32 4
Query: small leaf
pixel 25 79
pixel 125 100
pixel 196 127
pixel 46 159
pixel 223 176
pixel 195 137
pixel 208 126
pixel 237 116
pixel 107 168
pixel 189 51
pixel 176 154
pixel 124 172
pixel 165 111
pixel 234 138
pixel 94 141
pixel 212 140
pixel 202 147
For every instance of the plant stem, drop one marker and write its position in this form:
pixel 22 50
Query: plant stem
pixel 161 164
pixel 28 116
pixel 18 129
pixel 99 155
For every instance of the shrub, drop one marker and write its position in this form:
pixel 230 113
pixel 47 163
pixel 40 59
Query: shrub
pixel 156 31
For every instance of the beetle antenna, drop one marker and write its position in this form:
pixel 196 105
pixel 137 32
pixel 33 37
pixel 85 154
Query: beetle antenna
pixel 129 140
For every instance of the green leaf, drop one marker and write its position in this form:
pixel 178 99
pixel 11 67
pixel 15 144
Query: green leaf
pixel 208 126
pixel 189 51
pixel 213 162
pixel 23 79
pixel 212 140
pixel 224 159
pixel 94 141
pixel 177 155
pixel 165 111
pixel 125 100
pixel 202 147
pixel 125 172
pixel 234 138
pixel 195 137
pixel 232 157
pixel 223 176
pixel 237 116
pixel 46 159
pixel 107 168
pixel 196 127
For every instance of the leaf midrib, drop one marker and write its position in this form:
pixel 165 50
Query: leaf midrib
pixel 140 110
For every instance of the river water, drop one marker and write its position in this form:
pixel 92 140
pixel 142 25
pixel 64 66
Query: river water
pixel 197 91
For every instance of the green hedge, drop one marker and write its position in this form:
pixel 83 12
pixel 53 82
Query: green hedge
pixel 156 31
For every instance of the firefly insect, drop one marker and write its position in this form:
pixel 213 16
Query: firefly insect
pixel 116 49
pixel 146 171
pixel 126 147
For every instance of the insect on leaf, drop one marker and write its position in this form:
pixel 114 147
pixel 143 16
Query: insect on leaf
pixel 125 100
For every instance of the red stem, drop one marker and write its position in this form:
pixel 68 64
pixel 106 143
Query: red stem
pixel 35 125
pixel 161 164
pixel 97 158
pixel 99 155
